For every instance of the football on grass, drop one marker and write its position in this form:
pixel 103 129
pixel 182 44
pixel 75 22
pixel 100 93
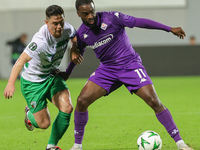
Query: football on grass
pixel 149 140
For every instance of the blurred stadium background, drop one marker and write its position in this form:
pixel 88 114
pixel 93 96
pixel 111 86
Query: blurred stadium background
pixel 163 54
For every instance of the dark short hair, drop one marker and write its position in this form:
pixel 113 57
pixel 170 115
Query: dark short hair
pixel 82 2
pixel 54 10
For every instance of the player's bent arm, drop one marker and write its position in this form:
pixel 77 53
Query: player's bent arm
pixel 75 55
pixel 10 88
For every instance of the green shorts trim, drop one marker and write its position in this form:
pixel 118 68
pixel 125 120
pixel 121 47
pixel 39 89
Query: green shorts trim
pixel 37 93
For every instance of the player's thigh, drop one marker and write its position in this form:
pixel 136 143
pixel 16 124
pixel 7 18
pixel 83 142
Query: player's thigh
pixel 149 95
pixel 35 94
pixel 91 92
pixel 59 95
pixel 62 100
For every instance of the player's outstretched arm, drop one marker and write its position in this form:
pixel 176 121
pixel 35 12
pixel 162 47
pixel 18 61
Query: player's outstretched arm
pixel 10 88
pixel 178 31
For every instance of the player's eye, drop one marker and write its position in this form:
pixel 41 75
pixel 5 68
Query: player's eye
pixel 62 22
pixel 55 23
pixel 85 14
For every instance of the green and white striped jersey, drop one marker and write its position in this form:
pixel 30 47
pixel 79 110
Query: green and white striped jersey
pixel 46 53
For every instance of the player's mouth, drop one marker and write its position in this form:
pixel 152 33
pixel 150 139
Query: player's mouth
pixel 58 31
pixel 91 21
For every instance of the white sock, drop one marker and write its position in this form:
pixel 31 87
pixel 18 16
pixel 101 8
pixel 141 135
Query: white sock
pixel 51 146
pixel 181 144
pixel 75 144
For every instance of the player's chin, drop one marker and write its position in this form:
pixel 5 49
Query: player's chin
pixel 58 34
pixel 91 22
pixel 91 25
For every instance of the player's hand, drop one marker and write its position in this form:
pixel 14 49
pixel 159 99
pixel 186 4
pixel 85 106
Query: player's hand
pixel 76 57
pixel 55 72
pixel 9 91
pixel 178 31
pixel 62 74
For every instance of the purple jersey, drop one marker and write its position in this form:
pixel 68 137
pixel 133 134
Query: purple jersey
pixel 109 39
pixel 120 64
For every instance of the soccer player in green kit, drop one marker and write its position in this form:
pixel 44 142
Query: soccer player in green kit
pixel 39 59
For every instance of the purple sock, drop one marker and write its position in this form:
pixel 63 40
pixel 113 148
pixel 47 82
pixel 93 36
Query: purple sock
pixel 80 120
pixel 167 121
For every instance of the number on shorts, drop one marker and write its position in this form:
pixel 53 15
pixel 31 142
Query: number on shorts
pixel 140 73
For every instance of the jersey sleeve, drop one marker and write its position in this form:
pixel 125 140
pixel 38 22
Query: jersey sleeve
pixel 73 31
pixel 151 24
pixel 35 47
pixel 81 46
pixel 130 21
pixel 124 20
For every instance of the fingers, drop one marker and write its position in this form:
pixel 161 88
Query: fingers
pixel 8 94
pixel 77 59
pixel 181 35
pixel 9 91
pixel 80 59
pixel 179 32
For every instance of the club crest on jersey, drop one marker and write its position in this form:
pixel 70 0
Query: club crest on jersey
pixel 104 26
pixel 33 105
pixel 32 46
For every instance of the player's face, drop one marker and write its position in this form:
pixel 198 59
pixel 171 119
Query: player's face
pixel 55 25
pixel 87 14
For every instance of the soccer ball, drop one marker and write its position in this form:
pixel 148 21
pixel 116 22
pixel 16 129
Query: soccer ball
pixel 149 140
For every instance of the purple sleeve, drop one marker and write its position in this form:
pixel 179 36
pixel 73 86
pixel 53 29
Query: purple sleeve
pixel 150 24
pixel 81 47
pixel 70 68
pixel 123 20
pixel 71 65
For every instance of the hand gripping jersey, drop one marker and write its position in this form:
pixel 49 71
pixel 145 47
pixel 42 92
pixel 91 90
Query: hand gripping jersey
pixel 46 53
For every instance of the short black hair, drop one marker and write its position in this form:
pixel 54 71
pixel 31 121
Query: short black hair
pixel 54 10
pixel 82 2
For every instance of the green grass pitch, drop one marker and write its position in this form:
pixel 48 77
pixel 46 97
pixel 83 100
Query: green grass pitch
pixel 115 121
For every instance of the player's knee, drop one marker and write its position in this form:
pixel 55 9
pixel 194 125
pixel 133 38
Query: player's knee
pixel 154 102
pixel 44 124
pixel 68 109
pixel 82 102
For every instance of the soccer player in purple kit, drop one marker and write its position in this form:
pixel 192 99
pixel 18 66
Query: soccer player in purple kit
pixel 120 65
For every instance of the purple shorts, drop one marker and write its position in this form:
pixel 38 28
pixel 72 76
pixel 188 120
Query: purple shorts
pixel 133 76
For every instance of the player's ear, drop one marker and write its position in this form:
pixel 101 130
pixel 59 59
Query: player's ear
pixel 78 13
pixel 46 21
